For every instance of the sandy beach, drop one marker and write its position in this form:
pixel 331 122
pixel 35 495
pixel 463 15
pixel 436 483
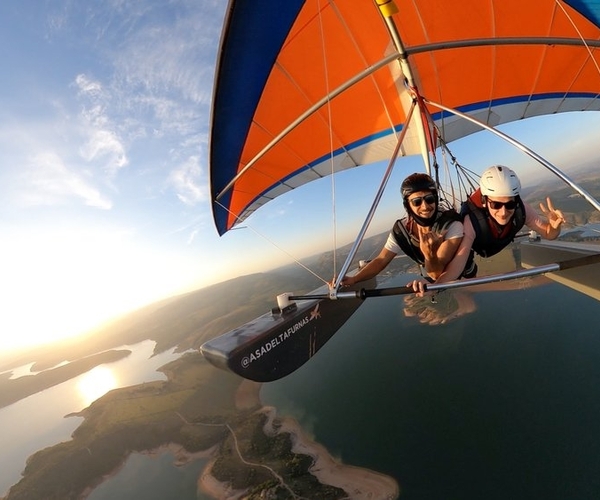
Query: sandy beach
pixel 221 491
pixel 359 483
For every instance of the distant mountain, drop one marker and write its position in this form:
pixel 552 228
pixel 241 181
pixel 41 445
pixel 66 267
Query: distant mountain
pixel 577 210
pixel 188 320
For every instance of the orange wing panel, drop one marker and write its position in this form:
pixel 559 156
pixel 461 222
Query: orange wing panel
pixel 331 42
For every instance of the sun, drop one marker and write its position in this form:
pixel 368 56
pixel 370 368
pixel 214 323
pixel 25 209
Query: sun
pixel 60 285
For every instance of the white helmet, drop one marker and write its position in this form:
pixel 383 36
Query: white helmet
pixel 499 181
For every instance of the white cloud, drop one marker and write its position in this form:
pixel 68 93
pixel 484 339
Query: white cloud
pixel 192 236
pixel 105 144
pixel 87 86
pixel 47 181
pixel 188 182
pixel 145 100
pixel 170 59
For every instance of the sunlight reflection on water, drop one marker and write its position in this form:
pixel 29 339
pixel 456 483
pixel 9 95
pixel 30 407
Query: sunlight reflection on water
pixel 96 383
pixel 39 420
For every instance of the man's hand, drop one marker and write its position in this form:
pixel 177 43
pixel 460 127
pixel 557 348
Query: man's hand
pixel 429 242
pixel 418 287
pixel 555 217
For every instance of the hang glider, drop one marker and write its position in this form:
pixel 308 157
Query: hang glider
pixel 316 86
pixel 310 88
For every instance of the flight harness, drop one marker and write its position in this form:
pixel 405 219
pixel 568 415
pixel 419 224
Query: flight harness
pixel 404 240
pixel 486 242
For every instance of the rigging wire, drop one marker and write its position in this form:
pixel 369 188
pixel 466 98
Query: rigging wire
pixel 579 34
pixel 271 242
pixel 330 130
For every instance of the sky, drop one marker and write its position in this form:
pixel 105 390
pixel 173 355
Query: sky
pixel 104 130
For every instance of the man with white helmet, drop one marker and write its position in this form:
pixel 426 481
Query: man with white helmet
pixel 493 215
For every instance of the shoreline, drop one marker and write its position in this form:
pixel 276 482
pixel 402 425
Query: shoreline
pixel 180 457
pixel 359 483
pixel 208 484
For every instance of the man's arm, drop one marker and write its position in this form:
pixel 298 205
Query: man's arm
pixel 456 266
pixel 372 269
pixel 442 257
pixel 439 249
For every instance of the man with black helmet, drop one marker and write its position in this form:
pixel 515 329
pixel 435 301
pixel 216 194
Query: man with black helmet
pixel 428 235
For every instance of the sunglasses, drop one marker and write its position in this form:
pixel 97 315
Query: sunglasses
pixel 429 199
pixel 497 205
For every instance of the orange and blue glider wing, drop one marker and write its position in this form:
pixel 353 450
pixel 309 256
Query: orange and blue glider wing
pixel 305 88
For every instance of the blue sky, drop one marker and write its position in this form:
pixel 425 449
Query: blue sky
pixel 104 203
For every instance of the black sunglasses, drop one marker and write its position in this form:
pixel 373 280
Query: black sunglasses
pixel 497 205
pixel 429 199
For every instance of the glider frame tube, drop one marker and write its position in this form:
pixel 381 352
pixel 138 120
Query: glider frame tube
pixel 555 170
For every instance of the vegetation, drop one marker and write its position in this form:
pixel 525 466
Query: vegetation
pixel 195 408
pixel 262 453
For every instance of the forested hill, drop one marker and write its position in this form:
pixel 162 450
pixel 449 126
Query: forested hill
pixel 187 320
pixel 576 209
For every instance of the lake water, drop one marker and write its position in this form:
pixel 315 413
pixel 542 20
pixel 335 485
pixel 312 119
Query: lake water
pixel 39 420
pixel 153 478
pixel 502 403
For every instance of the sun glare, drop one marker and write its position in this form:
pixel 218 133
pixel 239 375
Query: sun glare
pixel 75 281
pixel 95 384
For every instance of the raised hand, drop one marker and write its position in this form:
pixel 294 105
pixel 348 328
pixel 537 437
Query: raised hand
pixel 555 217
pixel 429 242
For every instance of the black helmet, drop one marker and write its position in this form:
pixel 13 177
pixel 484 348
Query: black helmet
pixel 412 184
pixel 417 182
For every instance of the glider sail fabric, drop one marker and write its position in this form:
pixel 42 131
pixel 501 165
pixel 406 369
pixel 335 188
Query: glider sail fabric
pixel 307 88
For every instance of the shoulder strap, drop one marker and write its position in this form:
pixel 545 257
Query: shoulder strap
pixel 446 218
pixel 520 215
pixel 404 242
pixel 486 244
pixel 479 220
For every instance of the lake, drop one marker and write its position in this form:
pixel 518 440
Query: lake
pixel 153 478
pixel 39 420
pixel 500 403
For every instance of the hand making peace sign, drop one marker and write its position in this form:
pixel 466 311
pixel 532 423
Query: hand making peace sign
pixel 555 217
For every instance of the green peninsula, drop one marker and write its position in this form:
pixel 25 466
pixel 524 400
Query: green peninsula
pixel 195 408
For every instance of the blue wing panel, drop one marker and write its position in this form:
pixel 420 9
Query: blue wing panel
pixel 589 8
pixel 256 29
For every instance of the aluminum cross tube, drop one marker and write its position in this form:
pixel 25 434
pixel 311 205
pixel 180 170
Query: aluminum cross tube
pixel 521 273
